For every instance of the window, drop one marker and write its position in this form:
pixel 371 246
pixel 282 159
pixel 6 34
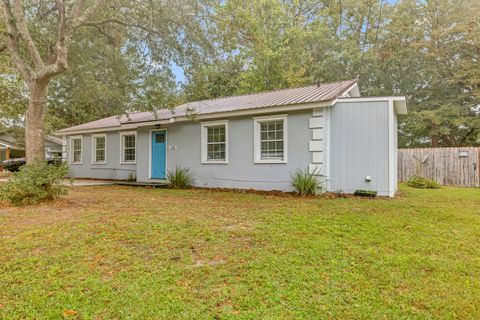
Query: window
pixel 128 141
pixel 76 149
pixel 215 142
pixel 99 148
pixel 270 134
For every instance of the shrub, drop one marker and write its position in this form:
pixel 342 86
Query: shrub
pixel 181 178
pixel 422 182
pixel 306 183
pixel 34 183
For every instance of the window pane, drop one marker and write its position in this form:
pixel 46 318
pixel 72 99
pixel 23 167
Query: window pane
pixel 271 140
pixel 279 145
pixel 77 144
pixel 77 150
pixel 129 148
pixel 77 156
pixel 129 141
pixel 100 142
pixel 129 154
pixel 100 155
pixel 216 141
pixel 216 134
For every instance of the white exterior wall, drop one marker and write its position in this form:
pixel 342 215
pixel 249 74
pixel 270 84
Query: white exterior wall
pixel 363 147
pixel 345 143
pixel 241 171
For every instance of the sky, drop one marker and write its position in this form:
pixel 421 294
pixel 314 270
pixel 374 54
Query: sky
pixel 178 72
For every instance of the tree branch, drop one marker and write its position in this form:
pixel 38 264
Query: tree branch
pixel 79 18
pixel 65 30
pixel 25 34
pixel 58 57
pixel 120 22
pixel 12 42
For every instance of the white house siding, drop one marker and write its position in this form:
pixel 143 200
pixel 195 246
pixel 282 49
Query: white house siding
pixel 348 141
pixel 112 169
pixel 360 146
pixel 184 150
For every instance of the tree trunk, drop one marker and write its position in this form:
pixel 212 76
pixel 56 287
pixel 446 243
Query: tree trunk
pixel 434 136
pixel 35 120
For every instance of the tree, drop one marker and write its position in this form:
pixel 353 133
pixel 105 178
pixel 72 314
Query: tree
pixel 426 50
pixel 36 71
pixel 120 57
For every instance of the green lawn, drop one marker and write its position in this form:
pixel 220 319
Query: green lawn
pixel 134 253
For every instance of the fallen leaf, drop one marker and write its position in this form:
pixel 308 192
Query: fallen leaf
pixel 69 313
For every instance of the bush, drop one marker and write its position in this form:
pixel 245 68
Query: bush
pixel 34 183
pixel 422 182
pixel 181 178
pixel 306 183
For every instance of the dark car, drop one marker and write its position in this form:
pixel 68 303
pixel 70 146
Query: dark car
pixel 14 165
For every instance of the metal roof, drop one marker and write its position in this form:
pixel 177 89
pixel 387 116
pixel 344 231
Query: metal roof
pixel 309 94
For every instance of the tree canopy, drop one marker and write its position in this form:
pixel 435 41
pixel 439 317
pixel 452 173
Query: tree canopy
pixel 122 59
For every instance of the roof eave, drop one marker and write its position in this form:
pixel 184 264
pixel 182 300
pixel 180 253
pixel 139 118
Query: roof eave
pixel 399 102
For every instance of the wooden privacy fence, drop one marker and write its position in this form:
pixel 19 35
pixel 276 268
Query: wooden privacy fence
pixel 448 166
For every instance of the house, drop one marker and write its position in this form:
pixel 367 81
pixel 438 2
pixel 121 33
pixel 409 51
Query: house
pixel 250 141
pixel 10 148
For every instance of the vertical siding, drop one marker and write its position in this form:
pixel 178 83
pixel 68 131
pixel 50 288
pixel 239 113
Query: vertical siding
pixel 360 147
pixel 395 146
pixel 443 165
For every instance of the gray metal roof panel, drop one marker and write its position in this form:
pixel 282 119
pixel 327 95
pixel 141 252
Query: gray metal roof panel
pixel 312 93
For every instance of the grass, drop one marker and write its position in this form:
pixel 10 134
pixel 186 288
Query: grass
pixel 134 253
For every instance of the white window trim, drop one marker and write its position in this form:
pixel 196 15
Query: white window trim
pixel 70 158
pixel 256 138
pixel 127 133
pixel 204 151
pixel 94 148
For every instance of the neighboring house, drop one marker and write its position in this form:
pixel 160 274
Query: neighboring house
pixel 251 141
pixel 53 147
pixel 10 148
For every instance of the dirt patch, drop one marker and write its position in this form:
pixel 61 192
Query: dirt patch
pixel 274 193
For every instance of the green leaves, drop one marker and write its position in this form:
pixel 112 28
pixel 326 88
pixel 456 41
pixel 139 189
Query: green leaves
pixel 122 61
pixel 180 178
pixel 35 183
pixel 425 50
pixel 306 183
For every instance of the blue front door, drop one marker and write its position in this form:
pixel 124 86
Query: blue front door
pixel 159 153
